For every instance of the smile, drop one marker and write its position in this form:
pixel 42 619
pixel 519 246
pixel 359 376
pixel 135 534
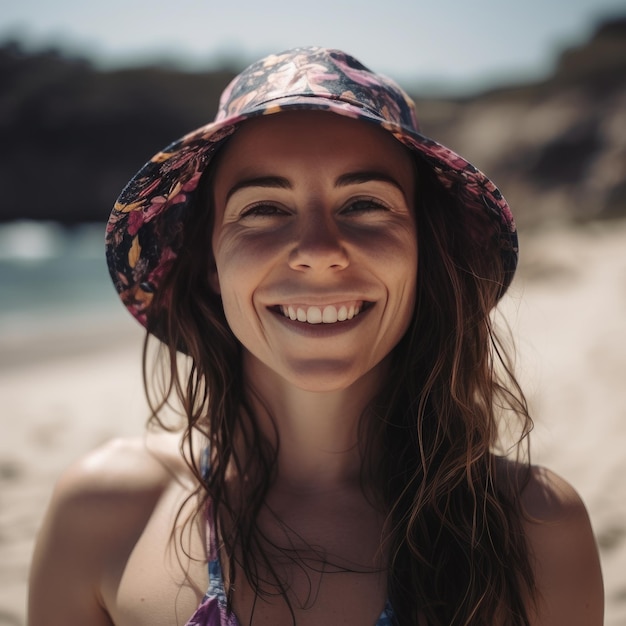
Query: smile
pixel 328 314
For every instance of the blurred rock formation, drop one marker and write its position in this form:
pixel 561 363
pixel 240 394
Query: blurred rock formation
pixel 71 136
pixel 557 148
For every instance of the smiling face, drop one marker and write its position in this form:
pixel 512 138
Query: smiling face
pixel 315 246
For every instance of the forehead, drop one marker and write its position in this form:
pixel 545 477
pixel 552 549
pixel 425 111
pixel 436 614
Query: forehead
pixel 317 136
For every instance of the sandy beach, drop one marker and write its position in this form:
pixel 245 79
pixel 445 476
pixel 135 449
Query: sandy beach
pixel 64 393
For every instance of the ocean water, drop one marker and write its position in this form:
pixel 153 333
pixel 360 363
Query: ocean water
pixel 54 286
pixel 46 266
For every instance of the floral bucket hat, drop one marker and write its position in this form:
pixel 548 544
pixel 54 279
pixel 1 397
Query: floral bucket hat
pixel 145 231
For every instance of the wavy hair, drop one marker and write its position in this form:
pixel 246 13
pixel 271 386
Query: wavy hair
pixel 454 528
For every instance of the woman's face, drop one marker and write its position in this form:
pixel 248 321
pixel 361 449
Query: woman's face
pixel 315 245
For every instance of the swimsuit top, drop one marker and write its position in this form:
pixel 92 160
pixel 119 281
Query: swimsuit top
pixel 213 611
pixel 213 608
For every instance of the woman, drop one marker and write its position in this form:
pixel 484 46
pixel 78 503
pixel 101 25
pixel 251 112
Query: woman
pixel 329 274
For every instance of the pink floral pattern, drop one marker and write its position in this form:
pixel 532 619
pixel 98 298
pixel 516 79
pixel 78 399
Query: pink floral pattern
pixel 145 229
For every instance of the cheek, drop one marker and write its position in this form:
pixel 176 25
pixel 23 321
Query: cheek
pixel 402 267
pixel 240 267
pixel 234 289
pixel 231 263
pixel 238 309
pixel 397 258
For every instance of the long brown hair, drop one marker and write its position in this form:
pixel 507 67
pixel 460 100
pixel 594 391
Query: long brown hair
pixel 454 531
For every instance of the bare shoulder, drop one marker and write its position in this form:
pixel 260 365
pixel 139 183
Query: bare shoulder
pixel 550 498
pixel 118 476
pixel 115 484
pixel 564 552
pixel 123 466
pixel 98 509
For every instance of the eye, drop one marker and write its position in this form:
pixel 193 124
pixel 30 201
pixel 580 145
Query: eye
pixel 364 205
pixel 263 209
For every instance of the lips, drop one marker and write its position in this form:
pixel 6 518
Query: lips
pixel 327 314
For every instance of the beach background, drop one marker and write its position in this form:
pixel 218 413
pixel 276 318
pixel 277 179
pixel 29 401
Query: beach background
pixel 70 379
pixel 70 371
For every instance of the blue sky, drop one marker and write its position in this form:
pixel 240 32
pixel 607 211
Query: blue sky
pixel 467 44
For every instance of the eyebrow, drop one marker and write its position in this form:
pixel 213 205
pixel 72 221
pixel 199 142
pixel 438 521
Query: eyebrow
pixel 357 178
pixel 276 182
pixel 345 180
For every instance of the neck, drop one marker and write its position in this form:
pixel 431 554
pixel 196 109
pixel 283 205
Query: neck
pixel 317 432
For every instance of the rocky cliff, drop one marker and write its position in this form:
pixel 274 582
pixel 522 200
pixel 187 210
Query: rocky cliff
pixel 557 148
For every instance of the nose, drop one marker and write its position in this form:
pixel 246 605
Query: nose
pixel 318 246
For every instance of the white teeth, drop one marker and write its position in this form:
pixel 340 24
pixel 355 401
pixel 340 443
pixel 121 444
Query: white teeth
pixel 316 315
pixel 329 315
pixel 313 315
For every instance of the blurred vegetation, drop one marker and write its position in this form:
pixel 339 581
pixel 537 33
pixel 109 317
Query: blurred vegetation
pixel 72 135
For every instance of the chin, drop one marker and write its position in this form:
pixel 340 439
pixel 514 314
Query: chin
pixel 326 376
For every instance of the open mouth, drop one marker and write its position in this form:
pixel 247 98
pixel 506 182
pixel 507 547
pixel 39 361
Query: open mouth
pixel 327 314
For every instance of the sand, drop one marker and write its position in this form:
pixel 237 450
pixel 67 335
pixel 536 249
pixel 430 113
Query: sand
pixel 61 397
